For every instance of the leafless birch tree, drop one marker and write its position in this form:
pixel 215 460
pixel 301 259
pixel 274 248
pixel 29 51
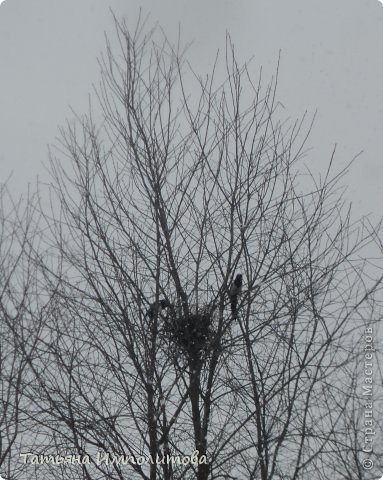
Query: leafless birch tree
pixel 187 182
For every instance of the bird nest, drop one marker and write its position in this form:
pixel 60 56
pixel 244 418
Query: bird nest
pixel 194 335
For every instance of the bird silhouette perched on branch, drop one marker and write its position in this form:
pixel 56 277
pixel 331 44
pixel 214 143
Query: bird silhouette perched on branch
pixel 157 307
pixel 234 292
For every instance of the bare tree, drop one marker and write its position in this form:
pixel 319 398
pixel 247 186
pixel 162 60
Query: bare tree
pixel 156 348
pixel 21 324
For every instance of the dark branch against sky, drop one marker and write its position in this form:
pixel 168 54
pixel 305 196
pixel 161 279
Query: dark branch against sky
pixel 330 60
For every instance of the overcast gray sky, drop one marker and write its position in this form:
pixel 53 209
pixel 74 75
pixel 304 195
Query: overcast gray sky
pixel 332 61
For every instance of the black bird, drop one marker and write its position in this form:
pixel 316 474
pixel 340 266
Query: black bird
pixel 154 307
pixel 234 292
